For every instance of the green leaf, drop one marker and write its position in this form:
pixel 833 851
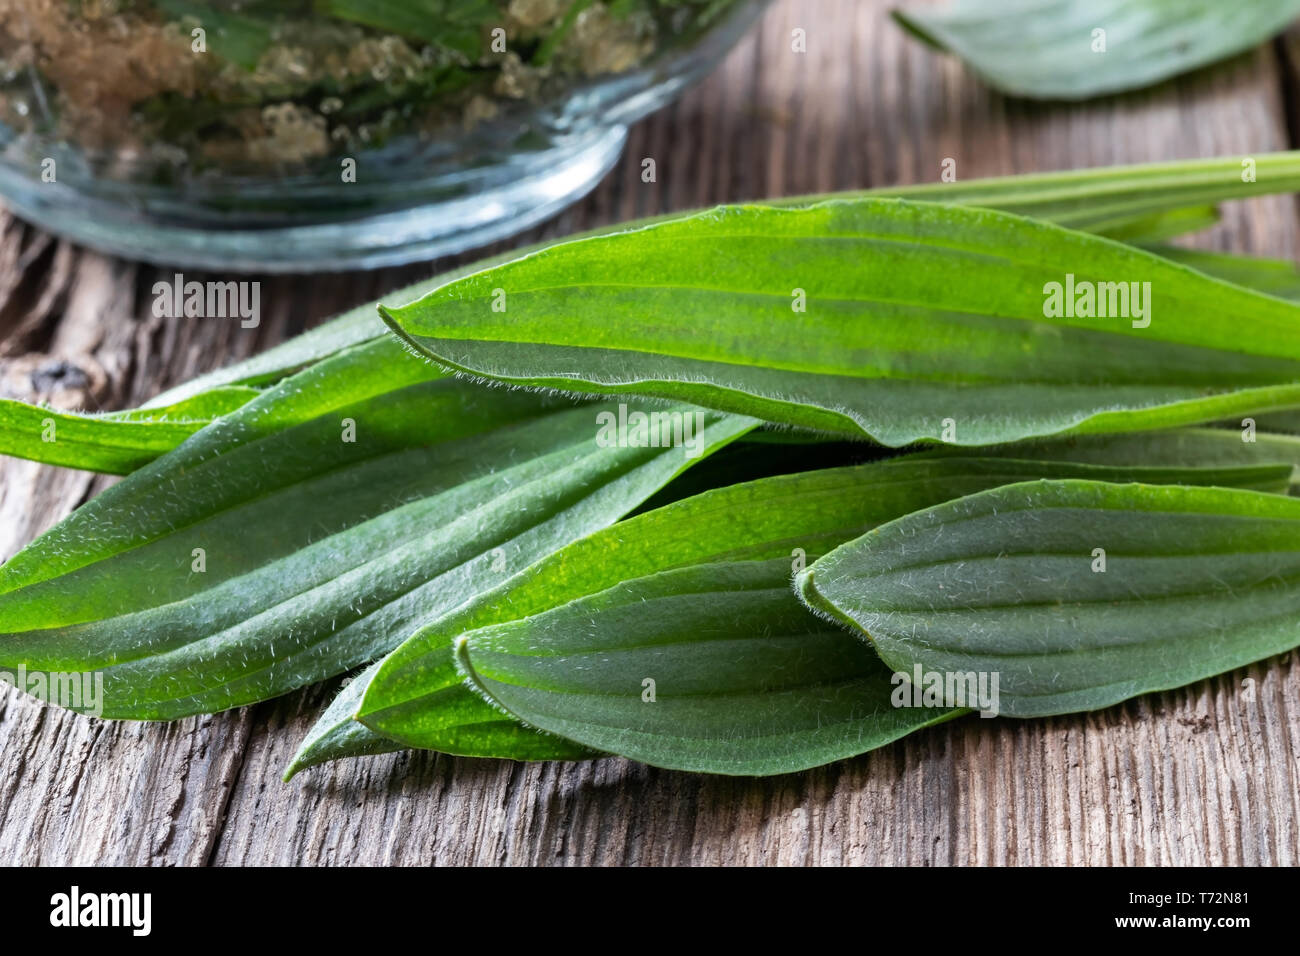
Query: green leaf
pixel 1157 227
pixel 922 322
pixel 233 36
pixel 1148 202
pixel 355 327
pixel 1287 422
pixel 116 443
pixel 1134 203
pixel 1196 581
pixel 1180 447
pixel 551 42
pixel 182 410
pixel 695 596
pixel 1052 49
pixel 336 735
pixel 455 24
pixel 1129 202
pixel 318 553
pixel 744 680
pixel 1277 277
pixel 1107 199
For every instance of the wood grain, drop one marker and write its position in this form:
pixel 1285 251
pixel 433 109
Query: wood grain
pixel 1208 774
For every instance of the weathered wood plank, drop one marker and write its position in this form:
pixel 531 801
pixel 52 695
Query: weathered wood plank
pixel 1210 774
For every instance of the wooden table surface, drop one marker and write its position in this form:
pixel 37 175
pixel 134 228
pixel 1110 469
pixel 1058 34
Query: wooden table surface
pixel 1207 774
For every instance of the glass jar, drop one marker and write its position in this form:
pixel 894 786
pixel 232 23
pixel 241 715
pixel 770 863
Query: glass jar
pixel 274 135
